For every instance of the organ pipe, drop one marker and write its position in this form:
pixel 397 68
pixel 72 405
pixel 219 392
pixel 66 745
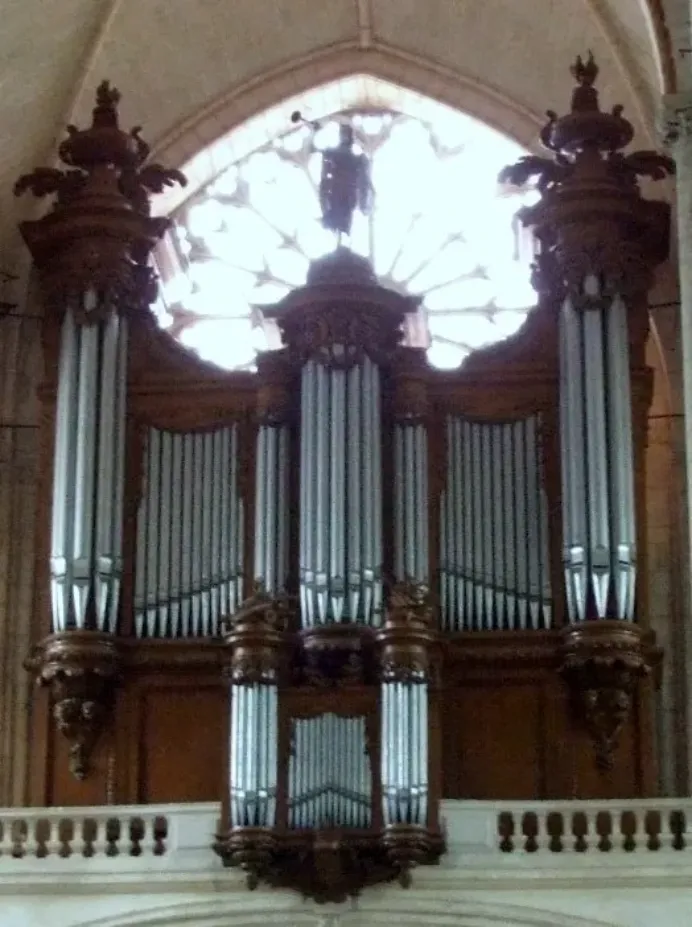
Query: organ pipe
pixel 189 560
pixel 406 643
pixel 271 508
pixel 348 812
pixel 404 746
pixel 494 548
pixel 340 494
pixel 597 449
pixel 411 503
pixel 329 774
pixel 86 536
pixel 253 750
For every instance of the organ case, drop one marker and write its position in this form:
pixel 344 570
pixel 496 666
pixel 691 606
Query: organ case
pixel 344 553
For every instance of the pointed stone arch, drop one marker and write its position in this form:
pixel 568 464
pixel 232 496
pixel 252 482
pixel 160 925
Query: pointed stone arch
pixel 410 911
pixel 203 145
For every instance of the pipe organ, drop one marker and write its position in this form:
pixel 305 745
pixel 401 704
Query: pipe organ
pixel 597 455
pixel 189 556
pixel 339 588
pixel 494 548
pixel 329 777
pixel 340 474
pixel 86 537
pixel 341 334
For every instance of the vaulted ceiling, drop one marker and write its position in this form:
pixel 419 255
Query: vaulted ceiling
pixel 174 59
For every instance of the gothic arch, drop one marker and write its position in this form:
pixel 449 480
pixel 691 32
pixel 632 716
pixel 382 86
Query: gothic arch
pixel 200 145
pixel 452 911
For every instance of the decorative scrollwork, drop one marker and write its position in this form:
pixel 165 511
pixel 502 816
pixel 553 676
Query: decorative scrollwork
pixel 329 866
pixel 256 638
pixel 407 638
pixel 602 664
pixel 99 233
pixel 591 218
pixel 548 174
pixel 82 670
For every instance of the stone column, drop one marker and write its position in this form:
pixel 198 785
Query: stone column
pixel 20 364
pixel 678 136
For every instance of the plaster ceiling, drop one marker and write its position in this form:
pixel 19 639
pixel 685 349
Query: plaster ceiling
pixel 172 59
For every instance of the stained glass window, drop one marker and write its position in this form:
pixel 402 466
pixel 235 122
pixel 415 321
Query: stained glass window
pixel 441 228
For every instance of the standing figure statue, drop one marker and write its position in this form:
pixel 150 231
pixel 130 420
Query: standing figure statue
pixel 345 184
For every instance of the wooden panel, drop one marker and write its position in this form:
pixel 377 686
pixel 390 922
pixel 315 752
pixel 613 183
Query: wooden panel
pixel 182 744
pixel 492 742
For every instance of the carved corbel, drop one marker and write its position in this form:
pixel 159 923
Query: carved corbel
pixel 407 640
pixel 256 639
pixel 602 663
pixel 81 670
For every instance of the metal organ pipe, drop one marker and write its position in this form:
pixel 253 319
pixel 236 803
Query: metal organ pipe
pixel 340 493
pixel 597 454
pixel 411 552
pixel 495 570
pixel 253 750
pixel 189 559
pixel 86 537
pixel 329 774
pixel 404 746
pixel 271 508
pixel 623 528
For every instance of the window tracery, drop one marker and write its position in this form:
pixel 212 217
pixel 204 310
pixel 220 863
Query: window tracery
pixel 441 228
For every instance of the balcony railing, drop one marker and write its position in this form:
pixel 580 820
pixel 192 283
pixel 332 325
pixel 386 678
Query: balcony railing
pixel 179 837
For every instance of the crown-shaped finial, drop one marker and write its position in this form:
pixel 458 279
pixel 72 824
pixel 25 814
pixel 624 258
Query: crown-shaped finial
pixel 106 109
pixel 585 74
pixel 585 97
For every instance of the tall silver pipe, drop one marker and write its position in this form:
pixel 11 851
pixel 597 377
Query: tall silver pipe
pixel 367 498
pixel 340 494
pixel 373 450
pixel 597 457
pixel 337 493
pixel 189 534
pixel 254 729
pixel 499 525
pixel 215 568
pixel 355 527
pixel 85 471
pixel 323 526
pixel 522 516
pixel 404 746
pixel 176 540
pixel 411 503
pixel 573 460
pixel 86 535
pixel 163 595
pixel 307 492
pixel 271 508
pixel 63 476
pixel 598 503
pixel 622 469
pixel 496 571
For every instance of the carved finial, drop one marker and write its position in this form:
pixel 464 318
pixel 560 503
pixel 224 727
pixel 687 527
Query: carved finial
pixel 585 74
pixel 584 97
pixel 106 109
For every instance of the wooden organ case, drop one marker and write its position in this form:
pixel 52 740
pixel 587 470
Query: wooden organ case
pixel 380 584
